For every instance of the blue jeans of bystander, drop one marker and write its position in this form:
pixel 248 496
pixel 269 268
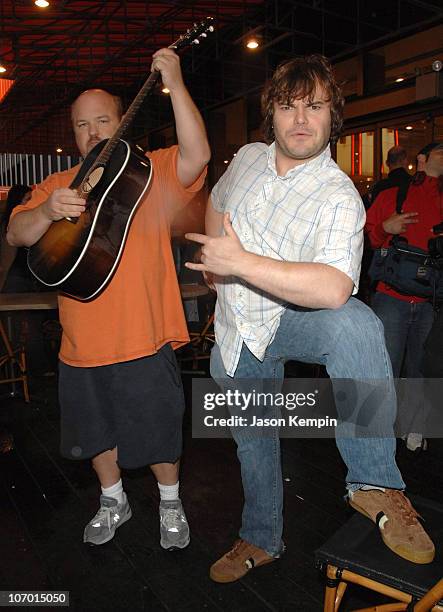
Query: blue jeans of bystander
pixel 407 325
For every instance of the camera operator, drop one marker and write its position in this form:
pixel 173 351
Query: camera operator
pixel 408 319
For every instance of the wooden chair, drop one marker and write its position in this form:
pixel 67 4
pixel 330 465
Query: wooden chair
pixel 13 363
pixel 355 554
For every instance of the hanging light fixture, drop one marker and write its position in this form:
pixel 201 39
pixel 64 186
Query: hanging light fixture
pixel 41 3
pixel 252 43
pixel 2 68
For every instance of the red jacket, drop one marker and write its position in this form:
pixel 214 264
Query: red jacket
pixel 424 199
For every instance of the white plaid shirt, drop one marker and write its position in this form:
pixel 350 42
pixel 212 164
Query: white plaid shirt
pixel 312 214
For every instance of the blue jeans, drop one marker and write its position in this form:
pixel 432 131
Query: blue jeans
pixel 406 325
pixel 349 342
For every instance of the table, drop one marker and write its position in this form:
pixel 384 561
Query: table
pixel 16 357
pixel 44 300
pixel 190 291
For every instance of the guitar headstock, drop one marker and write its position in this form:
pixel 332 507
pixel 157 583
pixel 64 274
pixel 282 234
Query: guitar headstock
pixel 194 34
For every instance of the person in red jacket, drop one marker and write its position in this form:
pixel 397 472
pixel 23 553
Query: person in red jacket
pixel 407 319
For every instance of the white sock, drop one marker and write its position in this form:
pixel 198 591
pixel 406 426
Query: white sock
pixel 372 488
pixel 115 491
pixel 168 492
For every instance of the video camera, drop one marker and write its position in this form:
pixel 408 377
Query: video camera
pixel 435 245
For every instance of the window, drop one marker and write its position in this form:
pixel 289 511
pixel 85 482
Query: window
pixel 344 154
pixel 438 128
pixel 412 135
pixel 355 156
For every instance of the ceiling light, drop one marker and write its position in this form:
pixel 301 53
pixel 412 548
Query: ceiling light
pixel 410 167
pixel 252 43
pixel 165 90
pixel 226 161
pixel 2 68
pixel 59 150
pixel 409 127
pixel 400 79
pixel 41 3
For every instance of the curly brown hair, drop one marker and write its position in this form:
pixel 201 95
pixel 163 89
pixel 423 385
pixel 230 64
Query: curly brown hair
pixel 298 79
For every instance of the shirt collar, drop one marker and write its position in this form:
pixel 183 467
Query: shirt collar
pixel 398 172
pixel 318 162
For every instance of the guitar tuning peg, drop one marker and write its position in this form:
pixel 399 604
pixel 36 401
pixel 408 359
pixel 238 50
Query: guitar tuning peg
pixel 196 41
pixel 211 28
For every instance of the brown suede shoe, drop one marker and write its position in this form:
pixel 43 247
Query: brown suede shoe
pixel 397 521
pixel 239 561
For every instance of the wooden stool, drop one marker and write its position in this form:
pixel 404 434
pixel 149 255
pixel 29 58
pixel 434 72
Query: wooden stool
pixel 355 554
pixel 13 360
pixel 16 358
pixel 202 341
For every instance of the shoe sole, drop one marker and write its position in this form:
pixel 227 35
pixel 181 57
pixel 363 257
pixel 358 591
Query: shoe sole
pixel 419 558
pixel 224 579
pixel 174 547
pixel 111 535
pixel 422 447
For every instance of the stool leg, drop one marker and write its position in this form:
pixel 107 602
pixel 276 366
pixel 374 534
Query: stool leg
pixel 331 588
pixel 6 342
pixel 24 374
pixel 434 595
pixel 209 322
pixel 14 362
pixel 394 607
pixel 340 592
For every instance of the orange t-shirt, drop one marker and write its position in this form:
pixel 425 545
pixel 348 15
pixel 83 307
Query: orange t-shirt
pixel 140 309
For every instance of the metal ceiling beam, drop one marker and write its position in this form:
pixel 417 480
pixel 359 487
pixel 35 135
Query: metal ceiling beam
pixel 118 37
pixel 90 77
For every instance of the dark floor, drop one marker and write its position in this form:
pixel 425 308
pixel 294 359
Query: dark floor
pixel 45 501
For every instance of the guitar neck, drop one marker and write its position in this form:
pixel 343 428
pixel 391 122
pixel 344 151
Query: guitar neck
pixel 128 118
pixel 190 38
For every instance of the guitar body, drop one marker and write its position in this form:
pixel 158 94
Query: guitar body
pixel 79 256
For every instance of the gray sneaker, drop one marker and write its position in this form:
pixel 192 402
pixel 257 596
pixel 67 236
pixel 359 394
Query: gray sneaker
pixel 174 528
pixel 111 515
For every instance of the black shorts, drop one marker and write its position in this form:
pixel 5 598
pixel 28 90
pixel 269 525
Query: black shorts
pixel 136 406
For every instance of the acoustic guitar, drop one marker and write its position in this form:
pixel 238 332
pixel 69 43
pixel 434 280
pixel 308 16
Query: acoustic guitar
pixel 79 255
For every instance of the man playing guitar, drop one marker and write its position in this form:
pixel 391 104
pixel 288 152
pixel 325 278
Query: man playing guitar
pixel 120 391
